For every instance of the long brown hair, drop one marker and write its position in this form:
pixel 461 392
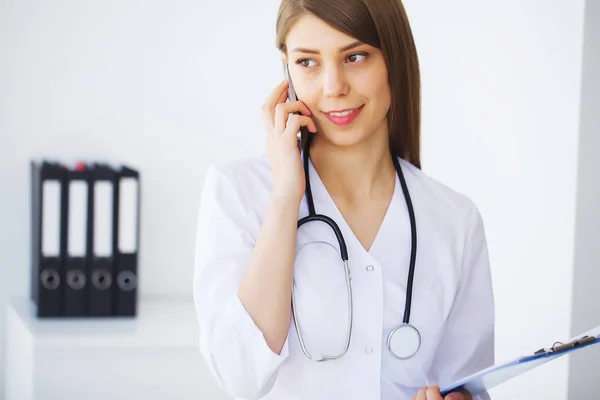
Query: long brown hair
pixel 382 24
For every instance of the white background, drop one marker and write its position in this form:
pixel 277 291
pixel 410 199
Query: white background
pixel 170 87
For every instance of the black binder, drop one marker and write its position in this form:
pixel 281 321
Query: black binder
pixel 101 240
pixel 76 238
pixel 127 217
pixel 48 222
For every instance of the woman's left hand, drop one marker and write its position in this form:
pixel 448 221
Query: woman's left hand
pixel 433 393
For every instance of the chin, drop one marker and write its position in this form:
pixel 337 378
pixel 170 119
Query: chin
pixel 343 139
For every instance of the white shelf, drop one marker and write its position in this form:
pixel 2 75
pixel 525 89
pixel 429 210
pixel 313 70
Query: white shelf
pixel 159 323
pixel 152 356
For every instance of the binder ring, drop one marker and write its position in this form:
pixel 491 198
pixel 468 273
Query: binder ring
pixel 76 279
pixel 101 279
pixel 127 281
pixel 50 278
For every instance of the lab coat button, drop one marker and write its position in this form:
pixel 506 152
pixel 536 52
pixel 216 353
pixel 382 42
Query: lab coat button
pixel 369 268
pixel 368 349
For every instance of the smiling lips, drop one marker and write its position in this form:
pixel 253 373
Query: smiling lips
pixel 343 117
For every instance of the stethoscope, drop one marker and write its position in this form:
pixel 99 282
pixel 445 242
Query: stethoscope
pixel 404 340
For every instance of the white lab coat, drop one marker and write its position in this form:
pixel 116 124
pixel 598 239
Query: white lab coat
pixel 452 303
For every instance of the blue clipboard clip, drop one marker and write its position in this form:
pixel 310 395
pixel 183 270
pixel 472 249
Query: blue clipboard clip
pixel 480 382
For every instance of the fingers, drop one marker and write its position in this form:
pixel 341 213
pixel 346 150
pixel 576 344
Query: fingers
pixel 280 101
pixel 276 112
pixel 283 111
pixel 422 394
pixel 430 393
pixel 269 114
pixel 295 122
pixel 458 396
pixel 279 95
pixel 433 393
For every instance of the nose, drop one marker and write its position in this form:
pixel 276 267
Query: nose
pixel 334 82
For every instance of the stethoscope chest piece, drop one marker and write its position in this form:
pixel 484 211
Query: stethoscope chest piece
pixel 404 341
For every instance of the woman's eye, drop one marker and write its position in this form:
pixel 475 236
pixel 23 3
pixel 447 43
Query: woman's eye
pixel 304 61
pixel 353 57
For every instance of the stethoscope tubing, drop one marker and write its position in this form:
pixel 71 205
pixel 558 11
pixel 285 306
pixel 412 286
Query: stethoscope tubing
pixel 313 216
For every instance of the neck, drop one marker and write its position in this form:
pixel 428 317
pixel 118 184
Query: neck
pixel 355 174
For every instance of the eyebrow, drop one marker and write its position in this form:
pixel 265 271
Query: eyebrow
pixel 345 48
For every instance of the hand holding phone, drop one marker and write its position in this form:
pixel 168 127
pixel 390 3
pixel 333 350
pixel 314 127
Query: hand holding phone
pixel 282 121
pixel 303 133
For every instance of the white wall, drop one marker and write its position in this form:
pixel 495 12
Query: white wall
pixel 501 111
pixel 171 87
pixel 584 367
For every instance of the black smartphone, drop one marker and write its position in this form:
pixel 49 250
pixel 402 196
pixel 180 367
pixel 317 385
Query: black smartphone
pixel 303 135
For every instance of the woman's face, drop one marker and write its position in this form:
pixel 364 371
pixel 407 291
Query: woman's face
pixel 334 73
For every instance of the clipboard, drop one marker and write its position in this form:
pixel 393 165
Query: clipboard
pixel 482 381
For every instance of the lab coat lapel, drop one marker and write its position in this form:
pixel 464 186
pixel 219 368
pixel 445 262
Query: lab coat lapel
pixel 388 231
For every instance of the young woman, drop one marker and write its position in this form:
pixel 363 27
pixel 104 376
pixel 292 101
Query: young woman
pixel 341 270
